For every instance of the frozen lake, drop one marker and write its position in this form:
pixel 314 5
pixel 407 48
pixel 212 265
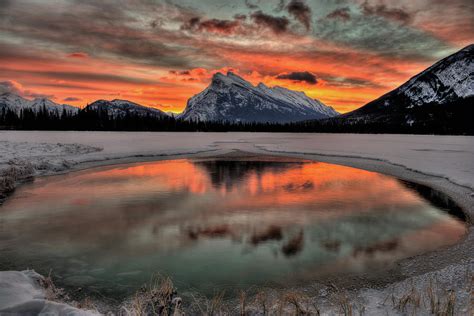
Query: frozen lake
pixel 451 157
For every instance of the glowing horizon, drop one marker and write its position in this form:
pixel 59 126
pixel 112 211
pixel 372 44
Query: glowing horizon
pixel 161 53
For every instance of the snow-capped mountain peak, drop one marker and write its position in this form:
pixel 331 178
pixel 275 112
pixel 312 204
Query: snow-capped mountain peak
pixel 120 108
pixel 452 77
pixel 440 95
pixel 221 81
pixel 232 98
pixel 13 100
pixel 16 103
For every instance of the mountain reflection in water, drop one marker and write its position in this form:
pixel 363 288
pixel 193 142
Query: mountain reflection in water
pixel 216 223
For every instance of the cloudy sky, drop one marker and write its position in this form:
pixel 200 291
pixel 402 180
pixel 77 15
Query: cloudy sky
pixel 161 52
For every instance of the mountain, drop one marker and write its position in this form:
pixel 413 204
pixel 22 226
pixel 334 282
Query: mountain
pixel 233 99
pixel 119 108
pixel 442 96
pixel 16 103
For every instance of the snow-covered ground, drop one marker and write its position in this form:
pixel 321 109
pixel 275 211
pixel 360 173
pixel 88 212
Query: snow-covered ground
pixel 25 293
pixel 33 153
pixel 451 157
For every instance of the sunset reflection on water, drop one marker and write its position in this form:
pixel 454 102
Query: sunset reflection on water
pixel 217 223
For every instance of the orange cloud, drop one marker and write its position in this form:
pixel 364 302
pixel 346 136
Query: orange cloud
pixel 78 55
pixel 341 84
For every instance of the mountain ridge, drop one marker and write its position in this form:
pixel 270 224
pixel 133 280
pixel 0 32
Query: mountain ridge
pixel 17 103
pixel 448 82
pixel 232 98
pixel 120 108
pixel 115 108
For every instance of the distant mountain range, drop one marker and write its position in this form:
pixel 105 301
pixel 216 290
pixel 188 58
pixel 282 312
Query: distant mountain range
pixel 16 104
pixel 119 108
pixel 438 100
pixel 233 99
pixel 228 98
pixel 443 94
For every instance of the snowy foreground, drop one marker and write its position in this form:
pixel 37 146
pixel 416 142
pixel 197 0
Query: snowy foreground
pixel 27 154
pixel 23 292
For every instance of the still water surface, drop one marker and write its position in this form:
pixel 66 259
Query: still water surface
pixel 216 224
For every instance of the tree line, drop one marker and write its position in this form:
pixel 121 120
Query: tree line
pixel 100 120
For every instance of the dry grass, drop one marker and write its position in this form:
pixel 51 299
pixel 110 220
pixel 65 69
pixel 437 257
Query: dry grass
pixel 55 294
pixel 13 173
pixel 261 301
pixel 52 292
pixel 242 303
pixel 86 304
pixel 216 305
pixel 208 307
pixel 408 301
pixel 156 298
pixel 440 305
pixel 7 184
pixel 297 301
pixel 345 305
pixel 159 297
pixel 286 303
pixel 433 298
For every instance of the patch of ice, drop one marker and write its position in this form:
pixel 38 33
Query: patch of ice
pixel 21 293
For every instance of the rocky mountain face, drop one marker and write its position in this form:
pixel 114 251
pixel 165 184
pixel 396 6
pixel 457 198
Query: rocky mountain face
pixel 10 101
pixel 119 108
pixel 231 98
pixel 442 94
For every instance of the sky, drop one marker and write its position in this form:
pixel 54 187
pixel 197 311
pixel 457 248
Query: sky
pixel 160 53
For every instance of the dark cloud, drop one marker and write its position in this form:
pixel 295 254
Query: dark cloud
pixel 276 24
pixel 14 87
pixel 181 73
pixel 380 36
pixel 80 76
pixel 397 14
pixel 304 76
pixel 341 13
pixel 12 52
pixel 349 81
pixel 71 99
pixel 300 11
pixel 212 26
pixel 144 32
pixel 62 85
pixel 240 17
pixel 280 6
pixel 191 24
pixel 5 4
pixel 10 87
pixel 111 31
pixel 251 5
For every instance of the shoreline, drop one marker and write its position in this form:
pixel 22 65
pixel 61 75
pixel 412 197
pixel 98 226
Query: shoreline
pixel 405 269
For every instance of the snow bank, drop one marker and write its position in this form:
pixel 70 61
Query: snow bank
pixel 21 292
pixel 21 160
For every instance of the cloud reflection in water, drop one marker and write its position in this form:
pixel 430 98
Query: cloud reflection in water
pixel 211 223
